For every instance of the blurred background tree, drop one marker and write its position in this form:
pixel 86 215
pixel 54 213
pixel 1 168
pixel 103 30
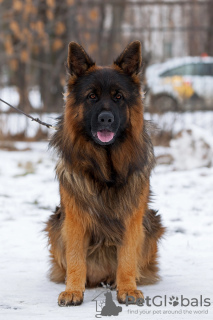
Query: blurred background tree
pixel 34 35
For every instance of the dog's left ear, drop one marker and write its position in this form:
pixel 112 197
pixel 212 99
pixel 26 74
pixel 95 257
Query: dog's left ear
pixel 130 59
pixel 78 60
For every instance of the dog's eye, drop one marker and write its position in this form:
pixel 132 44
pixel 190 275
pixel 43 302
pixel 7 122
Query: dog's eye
pixel 118 96
pixel 92 96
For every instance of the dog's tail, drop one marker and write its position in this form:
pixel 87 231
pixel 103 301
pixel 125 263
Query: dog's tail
pixel 153 225
pixel 154 230
pixel 57 247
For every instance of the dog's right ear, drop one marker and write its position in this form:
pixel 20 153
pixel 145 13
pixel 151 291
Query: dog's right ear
pixel 78 60
pixel 130 59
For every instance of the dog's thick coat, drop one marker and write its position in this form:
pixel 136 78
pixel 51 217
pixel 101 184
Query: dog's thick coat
pixel 103 230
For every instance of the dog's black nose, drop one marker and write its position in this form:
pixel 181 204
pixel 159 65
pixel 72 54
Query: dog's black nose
pixel 106 118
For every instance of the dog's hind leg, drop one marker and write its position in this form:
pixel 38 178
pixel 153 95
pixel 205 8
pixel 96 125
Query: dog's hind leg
pixel 148 268
pixel 57 246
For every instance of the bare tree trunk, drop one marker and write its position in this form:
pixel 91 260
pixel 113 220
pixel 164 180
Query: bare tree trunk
pixel 209 42
pixel 194 45
pixel 115 34
pixel 22 84
pixel 101 36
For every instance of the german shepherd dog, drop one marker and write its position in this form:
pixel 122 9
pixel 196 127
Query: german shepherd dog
pixel 103 231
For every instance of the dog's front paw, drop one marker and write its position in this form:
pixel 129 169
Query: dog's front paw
pixel 70 298
pixel 129 296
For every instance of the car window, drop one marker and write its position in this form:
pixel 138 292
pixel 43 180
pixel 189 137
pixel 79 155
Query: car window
pixel 206 69
pixel 191 69
pixel 186 69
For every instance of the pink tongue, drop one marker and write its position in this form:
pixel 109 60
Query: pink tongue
pixel 105 136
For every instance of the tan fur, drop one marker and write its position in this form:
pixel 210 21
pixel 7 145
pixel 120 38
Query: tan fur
pixel 101 258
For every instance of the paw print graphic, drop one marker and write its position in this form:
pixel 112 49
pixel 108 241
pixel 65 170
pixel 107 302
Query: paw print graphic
pixel 173 301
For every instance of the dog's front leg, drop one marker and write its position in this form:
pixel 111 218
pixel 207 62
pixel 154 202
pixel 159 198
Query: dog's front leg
pixel 128 256
pixel 76 249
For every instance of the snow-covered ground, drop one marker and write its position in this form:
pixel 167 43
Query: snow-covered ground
pixel 28 194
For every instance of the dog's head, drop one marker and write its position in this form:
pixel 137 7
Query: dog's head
pixel 100 100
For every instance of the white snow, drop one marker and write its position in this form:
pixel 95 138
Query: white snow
pixel 35 98
pixel 28 194
pixel 17 123
pixel 176 121
pixel 10 95
pixel 192 148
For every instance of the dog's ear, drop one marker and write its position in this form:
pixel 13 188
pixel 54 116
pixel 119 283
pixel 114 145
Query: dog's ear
pixel 78 61
pixel 130 59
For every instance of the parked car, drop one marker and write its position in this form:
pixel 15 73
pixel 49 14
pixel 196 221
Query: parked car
pixel 180 84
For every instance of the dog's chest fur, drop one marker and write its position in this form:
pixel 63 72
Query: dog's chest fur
pixel 107 206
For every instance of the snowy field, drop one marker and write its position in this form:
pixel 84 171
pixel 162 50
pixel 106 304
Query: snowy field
pixel 28 194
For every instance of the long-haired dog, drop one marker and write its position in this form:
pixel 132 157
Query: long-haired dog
pixel 103 231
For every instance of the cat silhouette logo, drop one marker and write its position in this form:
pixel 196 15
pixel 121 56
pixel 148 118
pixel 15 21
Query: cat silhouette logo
pixel 106 307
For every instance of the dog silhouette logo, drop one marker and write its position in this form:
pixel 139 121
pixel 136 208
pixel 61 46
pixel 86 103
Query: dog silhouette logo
pixel 105 306
pixel 110 308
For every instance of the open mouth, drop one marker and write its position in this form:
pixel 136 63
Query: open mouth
pixel 105 135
